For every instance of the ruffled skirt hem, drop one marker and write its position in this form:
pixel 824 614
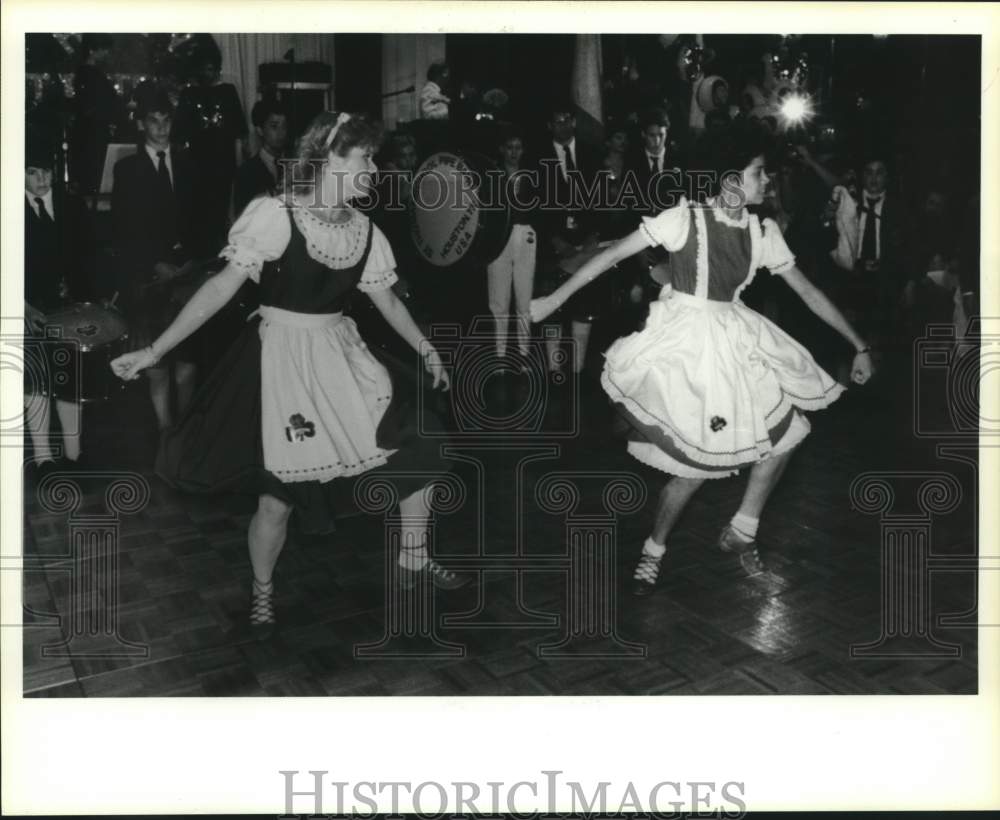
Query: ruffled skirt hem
pixel 715 388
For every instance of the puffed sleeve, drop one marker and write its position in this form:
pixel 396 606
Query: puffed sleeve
pixel 260 235
pixel 380 269
pixel 775 255
pixel 670 228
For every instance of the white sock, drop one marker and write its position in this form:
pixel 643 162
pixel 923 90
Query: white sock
pixel 650 547
pixel 413 546
pixel 69 420
pixel 37 417
pixel 414 558
pixel 745 526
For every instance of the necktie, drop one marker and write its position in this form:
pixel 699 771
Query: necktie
pixel 43 214
pixel 654 165
pixel 570 165
pixel 869 248
pixel 162 172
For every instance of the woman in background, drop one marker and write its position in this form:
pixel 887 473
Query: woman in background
pixel 515 266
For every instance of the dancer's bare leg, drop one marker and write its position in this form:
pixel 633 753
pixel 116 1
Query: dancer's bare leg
pixel 740 537
pixel 414 559
pixel 764 477
pixel 673 499
pixel 414 512
pixel 266 539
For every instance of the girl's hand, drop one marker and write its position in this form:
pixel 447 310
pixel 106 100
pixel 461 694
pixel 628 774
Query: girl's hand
pixel 433 365
pixel 542 308
pixel 862 368
pixel 130 365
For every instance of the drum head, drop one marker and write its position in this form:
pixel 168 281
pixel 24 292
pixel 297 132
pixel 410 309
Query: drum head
pixel 456 215
pixel 91 326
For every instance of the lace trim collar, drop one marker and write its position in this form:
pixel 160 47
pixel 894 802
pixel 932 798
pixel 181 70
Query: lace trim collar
pixel 721 216
pixel 336 245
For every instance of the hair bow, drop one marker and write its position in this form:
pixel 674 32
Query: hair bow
pixel 341 119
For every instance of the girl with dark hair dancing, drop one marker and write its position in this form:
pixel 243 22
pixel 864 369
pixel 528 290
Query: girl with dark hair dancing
pixel 299 407
pixel 709 386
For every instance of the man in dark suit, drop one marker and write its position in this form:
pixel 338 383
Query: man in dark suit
pixel 567 173
pixel 879 225
pixel 155 231
pixel 659 180
pixel 879 270
pixel 58 268
pixel 656 172
pixel 261 174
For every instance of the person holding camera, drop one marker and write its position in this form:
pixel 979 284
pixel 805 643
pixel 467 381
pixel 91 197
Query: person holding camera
pixel 709 386
pixel 299 408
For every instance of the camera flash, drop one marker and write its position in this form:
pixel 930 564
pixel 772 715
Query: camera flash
pixel 795 108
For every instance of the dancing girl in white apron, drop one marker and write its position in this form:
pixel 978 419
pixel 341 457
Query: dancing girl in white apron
pixel 300 408
pixel 710 386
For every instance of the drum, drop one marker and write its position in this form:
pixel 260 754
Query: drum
pixel 83 339
pixel 458 214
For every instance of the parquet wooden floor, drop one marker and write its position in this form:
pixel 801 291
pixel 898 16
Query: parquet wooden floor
pixel 183 581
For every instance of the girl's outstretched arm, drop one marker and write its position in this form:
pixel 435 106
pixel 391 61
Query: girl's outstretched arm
pixel 817 301
pixel 400 320
pixel 590 270
pixel 208 300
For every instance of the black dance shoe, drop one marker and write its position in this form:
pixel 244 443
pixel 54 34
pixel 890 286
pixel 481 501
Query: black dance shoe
pixel 647 573
pixel 262 617
pixel 432 572
pixel 745 551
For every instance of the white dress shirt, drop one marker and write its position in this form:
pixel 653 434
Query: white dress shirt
pixel 46 201
pixel 561 153
pixel 660 158
pixel 156 160
pixel 863 220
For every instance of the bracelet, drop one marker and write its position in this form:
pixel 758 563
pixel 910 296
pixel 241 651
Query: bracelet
pixel 867 349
